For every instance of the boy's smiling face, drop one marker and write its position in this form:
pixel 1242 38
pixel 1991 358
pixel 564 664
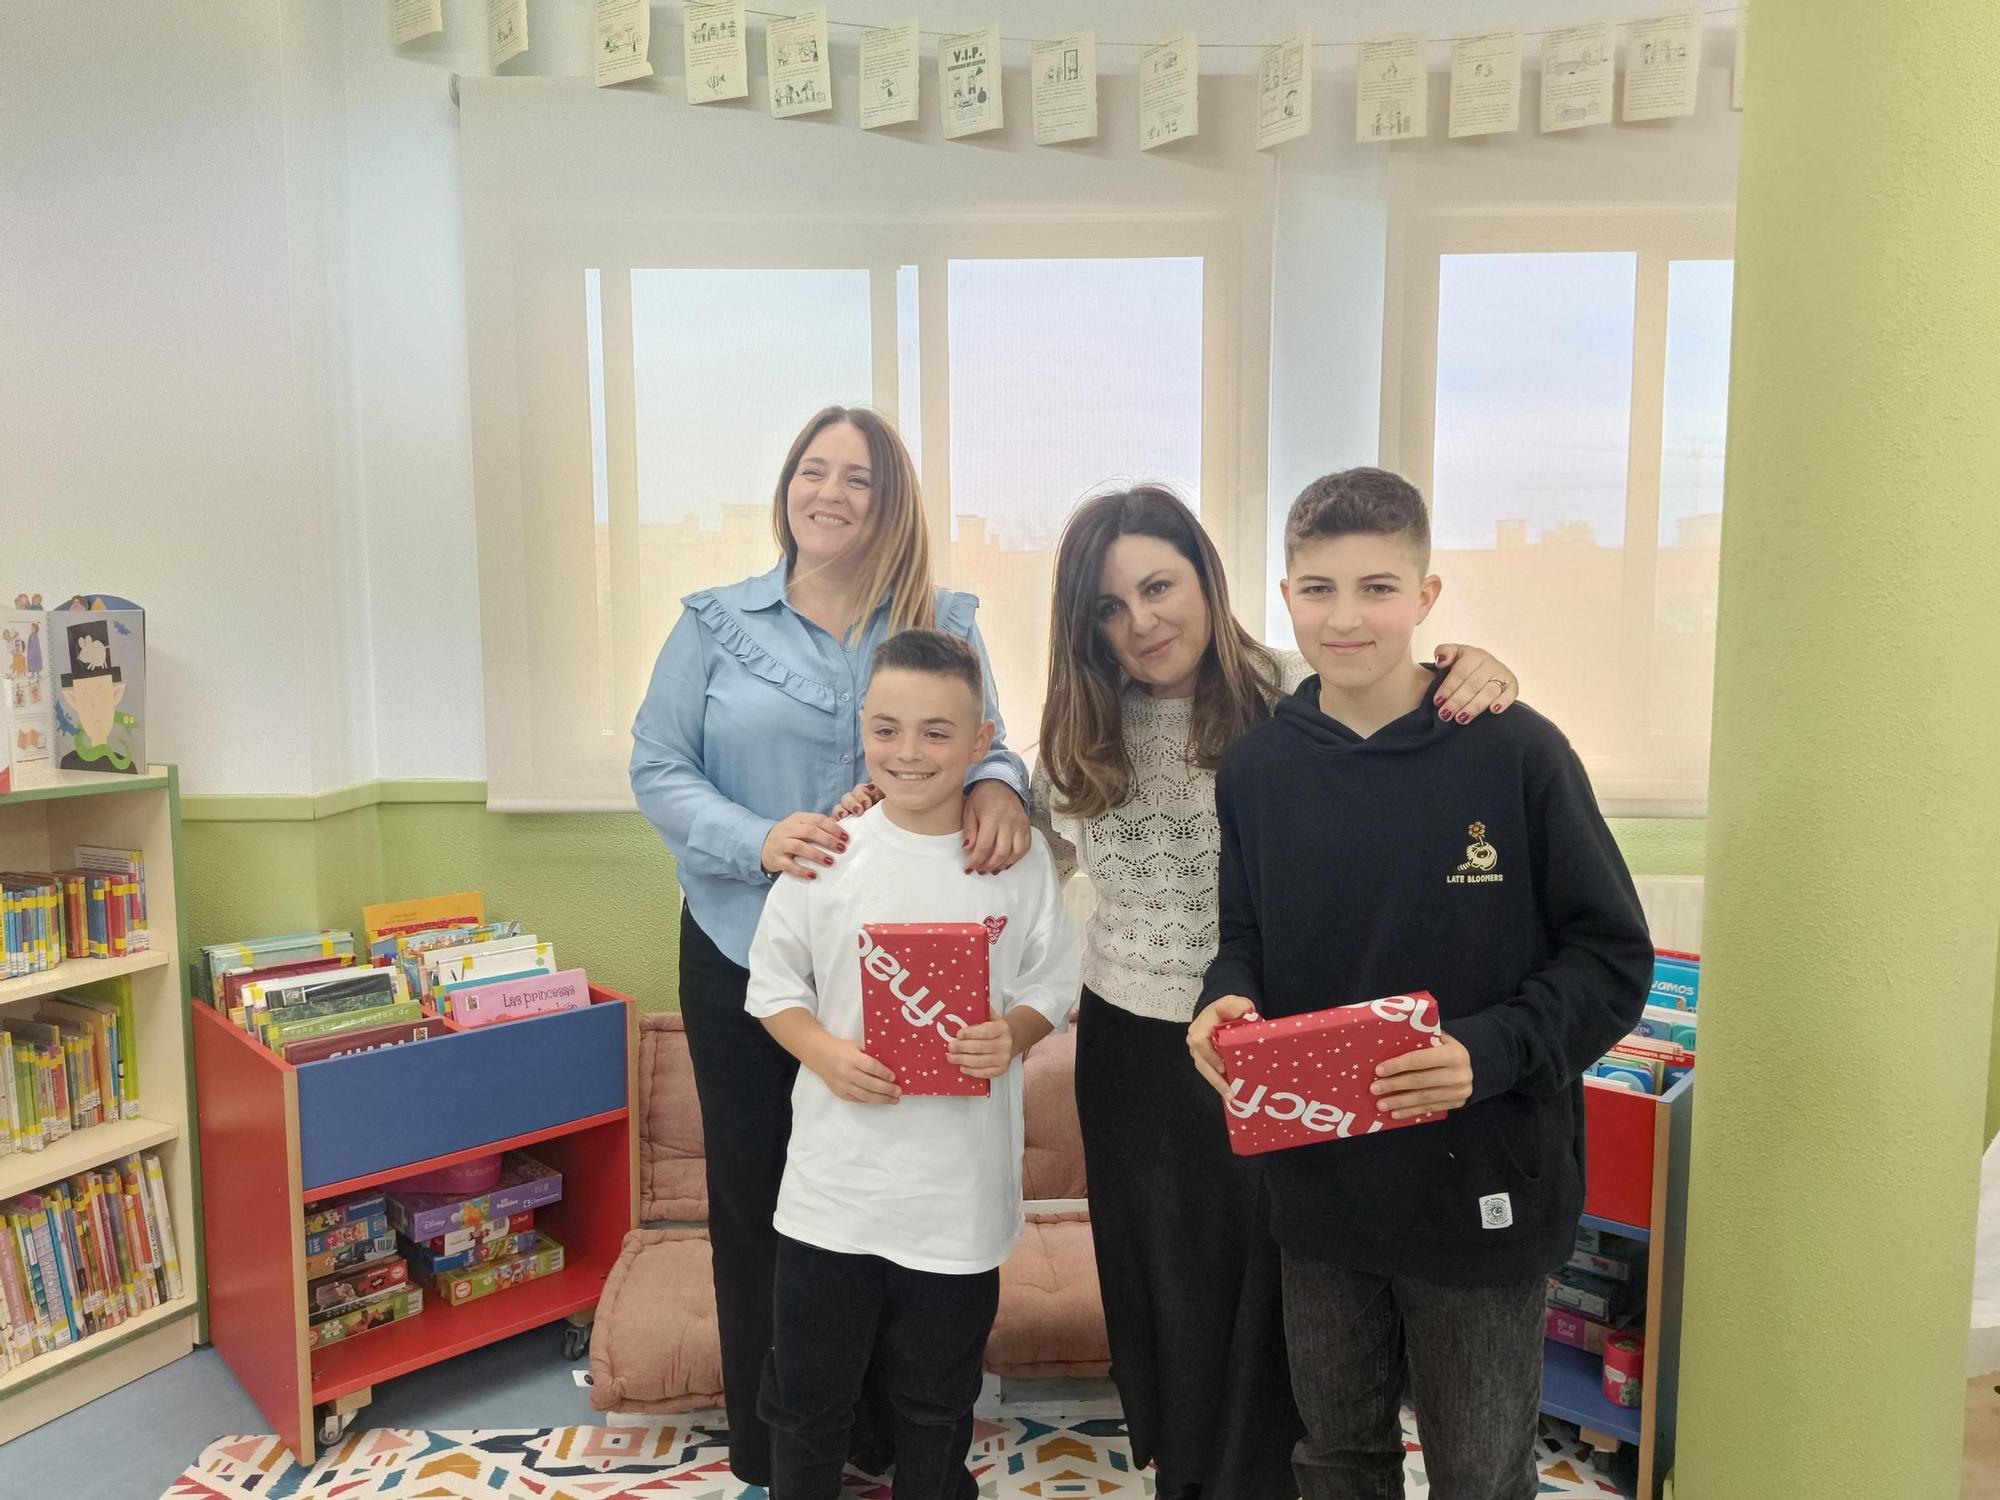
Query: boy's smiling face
pixel 1355 602
pixel 921 732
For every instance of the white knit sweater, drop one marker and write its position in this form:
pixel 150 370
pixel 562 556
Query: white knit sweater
pixel 1152 862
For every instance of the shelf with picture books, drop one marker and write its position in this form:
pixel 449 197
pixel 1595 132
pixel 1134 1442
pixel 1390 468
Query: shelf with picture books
pixel 432 1148
pixel 100 1257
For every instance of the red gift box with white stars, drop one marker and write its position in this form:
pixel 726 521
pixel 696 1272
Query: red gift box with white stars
pixel 921 982
pixel 1301 1080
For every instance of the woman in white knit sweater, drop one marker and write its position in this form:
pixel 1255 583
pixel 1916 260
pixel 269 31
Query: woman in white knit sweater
pixel 1151 678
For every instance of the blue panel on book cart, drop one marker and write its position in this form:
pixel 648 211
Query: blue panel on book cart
pixel 378 1110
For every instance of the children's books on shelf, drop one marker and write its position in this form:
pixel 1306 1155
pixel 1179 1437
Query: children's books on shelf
pixel 67 1063
pixel 80 1256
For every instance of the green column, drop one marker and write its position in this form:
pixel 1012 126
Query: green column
pixel 1854 840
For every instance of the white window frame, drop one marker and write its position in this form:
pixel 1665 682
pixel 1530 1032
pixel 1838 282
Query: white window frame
pixel 1658 236
pixel 556 465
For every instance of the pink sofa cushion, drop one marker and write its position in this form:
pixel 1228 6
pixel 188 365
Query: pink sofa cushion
pixel 1051 1320
pixel 654 1345
pixel 673 1181
pixel 1052 1163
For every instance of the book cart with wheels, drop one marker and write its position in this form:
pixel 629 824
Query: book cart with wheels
pixel 1636 1186
pixel 560 1087
pixel 40 828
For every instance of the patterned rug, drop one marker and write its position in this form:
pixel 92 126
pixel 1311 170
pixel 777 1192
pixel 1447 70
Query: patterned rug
pixel 1053 1459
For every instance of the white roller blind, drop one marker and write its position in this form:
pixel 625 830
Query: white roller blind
pixel 659 295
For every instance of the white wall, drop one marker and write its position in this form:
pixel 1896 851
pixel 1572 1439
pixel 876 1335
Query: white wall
pixel 165 332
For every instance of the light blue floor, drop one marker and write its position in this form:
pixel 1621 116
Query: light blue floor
pixel 133 1443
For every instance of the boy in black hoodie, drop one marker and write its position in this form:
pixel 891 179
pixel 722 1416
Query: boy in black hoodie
pixel 1367 851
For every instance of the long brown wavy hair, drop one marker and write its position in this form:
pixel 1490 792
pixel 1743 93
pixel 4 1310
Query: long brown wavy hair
pixel 1083 738
pixel 897 540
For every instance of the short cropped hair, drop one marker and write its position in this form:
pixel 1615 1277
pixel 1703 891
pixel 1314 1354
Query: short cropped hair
pixel 936 651
pixel 1360 502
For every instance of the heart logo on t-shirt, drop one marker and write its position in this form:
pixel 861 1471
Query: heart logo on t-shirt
pixel 994 927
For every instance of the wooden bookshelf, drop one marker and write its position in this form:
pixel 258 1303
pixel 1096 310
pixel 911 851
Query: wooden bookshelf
pixel 40 828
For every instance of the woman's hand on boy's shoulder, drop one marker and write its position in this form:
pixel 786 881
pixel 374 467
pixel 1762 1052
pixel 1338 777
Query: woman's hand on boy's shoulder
pixel 803 843
pixel 997 832
pixel 1431 1078
pixel 1475 682
pixel 1207 1061
pixel 852 1074
pixel 858 801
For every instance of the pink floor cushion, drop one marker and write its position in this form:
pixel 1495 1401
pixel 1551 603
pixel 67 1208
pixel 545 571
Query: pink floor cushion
pixel 654 1346
pixel 1051 1321
pixel 672 1170
pixel 1052 1161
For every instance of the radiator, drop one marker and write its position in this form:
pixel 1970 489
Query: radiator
pixel 1673 910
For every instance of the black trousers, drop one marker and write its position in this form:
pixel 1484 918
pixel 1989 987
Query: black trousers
pixel 1188 1268
pixel 1474 1360
pixel 744 1081
pixel 930 1332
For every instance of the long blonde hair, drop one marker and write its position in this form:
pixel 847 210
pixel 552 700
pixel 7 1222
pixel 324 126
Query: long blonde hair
pixel 896 566
pixel 1083 736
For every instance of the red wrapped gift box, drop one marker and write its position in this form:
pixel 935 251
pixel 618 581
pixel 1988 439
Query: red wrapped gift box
pixel 921 982
pixel 1305 1079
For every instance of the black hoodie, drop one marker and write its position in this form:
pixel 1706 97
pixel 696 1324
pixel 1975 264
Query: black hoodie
pixel 1468 861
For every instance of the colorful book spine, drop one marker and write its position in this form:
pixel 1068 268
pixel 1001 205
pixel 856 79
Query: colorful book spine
pixel 258 953
pixel 360 1039
pixel 276 1037
pixel 156 1185
pixel 21 1320
pixel 10 1109
pixel 363 992
pixel 516 999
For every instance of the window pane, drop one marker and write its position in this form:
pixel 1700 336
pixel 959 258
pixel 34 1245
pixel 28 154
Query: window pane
pixel 1694 437
pixel 1067 376
pixel 600 498
pixel 909 367
pixel 1534 396
pixel 726 367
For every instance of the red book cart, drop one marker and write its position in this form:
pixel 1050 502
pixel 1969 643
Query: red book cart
pixel 281 1138
pixel 1635 1186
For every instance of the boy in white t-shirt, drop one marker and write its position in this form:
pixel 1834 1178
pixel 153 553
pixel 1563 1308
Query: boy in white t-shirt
pixel 895 1214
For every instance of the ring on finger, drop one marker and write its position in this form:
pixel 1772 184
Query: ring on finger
pixel 1498 682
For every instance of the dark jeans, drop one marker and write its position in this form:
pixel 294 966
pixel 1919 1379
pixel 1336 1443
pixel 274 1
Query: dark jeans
pixel 744 1082
pixel 1474 1358
pixel 830 1311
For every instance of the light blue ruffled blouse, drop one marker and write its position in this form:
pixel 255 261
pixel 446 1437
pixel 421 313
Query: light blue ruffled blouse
pixel 754 713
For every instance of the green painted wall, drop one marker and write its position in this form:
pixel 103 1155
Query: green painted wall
pixel 599 885
pixel 1849 929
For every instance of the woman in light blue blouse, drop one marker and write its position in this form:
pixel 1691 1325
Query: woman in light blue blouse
pixel 749 737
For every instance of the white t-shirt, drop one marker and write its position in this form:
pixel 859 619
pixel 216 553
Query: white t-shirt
pixel 933 1184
